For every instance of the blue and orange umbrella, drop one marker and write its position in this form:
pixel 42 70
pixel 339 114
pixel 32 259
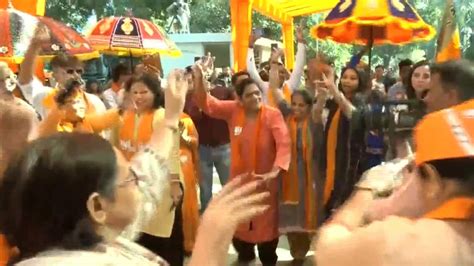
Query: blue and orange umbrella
pixel 379 22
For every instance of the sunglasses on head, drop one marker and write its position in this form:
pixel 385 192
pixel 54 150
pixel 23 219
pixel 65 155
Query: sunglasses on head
pixel 71 71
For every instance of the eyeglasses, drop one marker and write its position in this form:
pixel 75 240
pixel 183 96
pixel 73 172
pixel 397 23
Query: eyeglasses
pixel 133 178
pixel 71 71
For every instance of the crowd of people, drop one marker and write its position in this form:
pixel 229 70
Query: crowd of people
pixel 124 176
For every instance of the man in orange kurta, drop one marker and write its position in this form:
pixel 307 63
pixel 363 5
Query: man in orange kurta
pixel 260 148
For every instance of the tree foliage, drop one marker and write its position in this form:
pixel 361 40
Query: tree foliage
pixel 214 16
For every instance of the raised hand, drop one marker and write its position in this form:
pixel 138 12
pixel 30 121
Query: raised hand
pixel 235 204
pixel 300 33
pixel 175 95
pixel 41 35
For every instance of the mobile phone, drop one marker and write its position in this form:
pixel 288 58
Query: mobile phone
pixel 197 58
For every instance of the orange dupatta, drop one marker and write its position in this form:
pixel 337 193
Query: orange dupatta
pixel 286 95
pixel 454 209
pixel 290 179
pixel 236 138
pixel 191 171
pixel 331 155
pixel 135 132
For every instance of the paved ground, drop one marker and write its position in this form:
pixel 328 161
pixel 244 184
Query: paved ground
pixel 283 251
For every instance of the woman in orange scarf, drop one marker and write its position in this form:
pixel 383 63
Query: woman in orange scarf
pixel 301 206
pixel 443 235
pixel 343 142
pixel 163 234
pixel 260 149
pixel 189 157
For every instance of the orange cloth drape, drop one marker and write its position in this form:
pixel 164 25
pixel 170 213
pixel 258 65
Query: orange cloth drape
pixel 290 179
pixel 241 24
pixel 33 7
pixel 331 155
pixel 135 132
pixel 190 167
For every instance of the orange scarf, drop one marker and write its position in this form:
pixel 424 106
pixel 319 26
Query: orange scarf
pixel 49 101
pixel 331 155
pixel 290 192
pixel 236 138
pixel 454 209
pixel 135 132
pixel 5 251
pixel 286 95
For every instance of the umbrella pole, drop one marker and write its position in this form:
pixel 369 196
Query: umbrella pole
pixel 370 48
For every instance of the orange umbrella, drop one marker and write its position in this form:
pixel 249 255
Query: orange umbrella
pixel 379 21
pixel 130 36
pixel 17 29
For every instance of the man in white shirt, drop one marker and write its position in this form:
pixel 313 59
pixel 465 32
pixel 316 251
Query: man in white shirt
pixel 120 75
pixel 65 67
pixel 293 82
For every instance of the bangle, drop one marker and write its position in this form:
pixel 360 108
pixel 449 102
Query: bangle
pixel 175 180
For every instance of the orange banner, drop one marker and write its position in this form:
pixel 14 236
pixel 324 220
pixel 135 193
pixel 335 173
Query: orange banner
pixel 33 7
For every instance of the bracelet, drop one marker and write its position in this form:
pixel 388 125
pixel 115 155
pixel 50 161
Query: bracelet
pixel 175 180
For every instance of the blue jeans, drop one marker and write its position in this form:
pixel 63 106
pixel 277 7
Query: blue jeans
pixel 209 157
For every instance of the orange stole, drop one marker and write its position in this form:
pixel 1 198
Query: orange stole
pixel 286 95
pixel 135 132
pixel 290 192
pixel 454 209
pixel 236 138
pixel 190 167
pixel 331 155
pixel 5 251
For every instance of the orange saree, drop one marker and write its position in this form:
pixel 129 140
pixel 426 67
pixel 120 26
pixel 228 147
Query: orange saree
pixel 189 158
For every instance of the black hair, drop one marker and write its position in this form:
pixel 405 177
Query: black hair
pixel 237 75
pixel 410 89
pixel 89 84
pixel 459 169
pixel 152 83
pixel 456 75
pixel 44 192
pixel 307 98
pixel 380 66
pixel 64 61
pixel 72 86
pixel 119 71
pixel 405 63
pixel 240 88
pixel 362 76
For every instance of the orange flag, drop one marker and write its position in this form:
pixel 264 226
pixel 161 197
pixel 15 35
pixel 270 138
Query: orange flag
pixel 449 41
